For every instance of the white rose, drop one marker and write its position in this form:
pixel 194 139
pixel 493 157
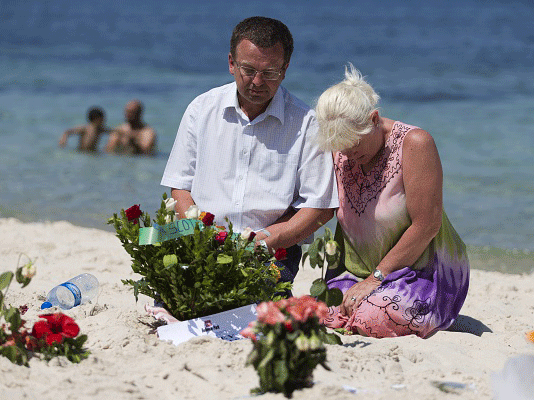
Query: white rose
pixel 192 212
pixel 246 233
pixel 330 247
pixel 170 203
pixel 170 218
pixel 29 270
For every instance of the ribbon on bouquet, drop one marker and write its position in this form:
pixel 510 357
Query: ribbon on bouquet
pixel 181 227
pixel 157 233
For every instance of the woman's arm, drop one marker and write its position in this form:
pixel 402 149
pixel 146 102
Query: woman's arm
pixel 423 184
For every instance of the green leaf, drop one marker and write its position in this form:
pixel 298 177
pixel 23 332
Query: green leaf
pixel 15 354
pixel 5 279
pixel 170 260
pixel 267 359
pixel 281 372
pixel 224 259
pixel 331 338
pixel 332 297
pixel 318 287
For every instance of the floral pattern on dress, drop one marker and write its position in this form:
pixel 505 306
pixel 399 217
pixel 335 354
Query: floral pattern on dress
pixel 362 188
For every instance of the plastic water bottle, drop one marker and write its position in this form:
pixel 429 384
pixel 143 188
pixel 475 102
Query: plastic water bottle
pixel 76 291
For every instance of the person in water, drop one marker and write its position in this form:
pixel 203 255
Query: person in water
pixel 134 136
pixel 89 134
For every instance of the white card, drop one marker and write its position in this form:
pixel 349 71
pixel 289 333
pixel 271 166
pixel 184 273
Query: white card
pixel 225 325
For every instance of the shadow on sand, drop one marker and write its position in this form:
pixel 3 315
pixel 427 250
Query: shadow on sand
pixel 469 325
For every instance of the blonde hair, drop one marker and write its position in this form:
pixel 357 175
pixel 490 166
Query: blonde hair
pixel 344 111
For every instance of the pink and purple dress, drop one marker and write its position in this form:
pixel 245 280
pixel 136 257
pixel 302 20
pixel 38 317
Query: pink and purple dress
pixel 419 299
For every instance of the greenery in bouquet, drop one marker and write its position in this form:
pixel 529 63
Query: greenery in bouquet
pixel 54 335
pixel 207 271
pixel 288 339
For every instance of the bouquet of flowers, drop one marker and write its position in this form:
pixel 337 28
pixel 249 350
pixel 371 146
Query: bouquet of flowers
pixel 288 339
pixel 56 335
pixel 206 270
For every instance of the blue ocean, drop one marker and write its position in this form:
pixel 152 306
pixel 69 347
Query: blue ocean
pixel 462 70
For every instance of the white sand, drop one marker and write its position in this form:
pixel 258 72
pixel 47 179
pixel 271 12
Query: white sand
pixel 128 361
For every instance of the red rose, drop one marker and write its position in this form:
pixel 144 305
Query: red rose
pixel 208 219
pixel 133 213
pixel 251 236
pixel 288 325
pixel 221 237
pixel 280 254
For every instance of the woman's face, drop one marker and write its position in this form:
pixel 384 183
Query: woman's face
pixel 366 147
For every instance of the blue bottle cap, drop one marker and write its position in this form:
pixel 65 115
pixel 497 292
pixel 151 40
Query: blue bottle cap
pixel 46 304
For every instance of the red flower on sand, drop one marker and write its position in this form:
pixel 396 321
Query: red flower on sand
pixel 133 213
pixel 221 237
pixel 55 328
pixel 207 219
pixel 280 254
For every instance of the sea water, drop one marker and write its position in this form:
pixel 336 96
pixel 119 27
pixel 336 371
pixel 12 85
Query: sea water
pixel 461 70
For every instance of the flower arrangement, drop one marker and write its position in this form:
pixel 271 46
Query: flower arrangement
pixel 288 339
pixel 324 250
pixel 56 335
pixel 206 270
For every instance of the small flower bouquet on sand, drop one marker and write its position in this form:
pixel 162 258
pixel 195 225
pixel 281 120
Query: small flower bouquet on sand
pixel 288 339
pixel 193 267
pixel 54 335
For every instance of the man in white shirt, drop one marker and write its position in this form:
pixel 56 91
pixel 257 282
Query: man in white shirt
pixel 246 150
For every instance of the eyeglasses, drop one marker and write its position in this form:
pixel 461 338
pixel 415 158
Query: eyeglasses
pixel 268 75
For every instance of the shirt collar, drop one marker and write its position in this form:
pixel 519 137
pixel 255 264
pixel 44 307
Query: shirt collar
pixel 275 108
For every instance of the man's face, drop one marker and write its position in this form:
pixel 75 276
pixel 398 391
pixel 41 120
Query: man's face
pixel 132 112
pixel 254 91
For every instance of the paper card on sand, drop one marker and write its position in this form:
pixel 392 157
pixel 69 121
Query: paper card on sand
pixel 225 325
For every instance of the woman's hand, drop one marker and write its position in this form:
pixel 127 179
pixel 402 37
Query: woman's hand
pixel 354 296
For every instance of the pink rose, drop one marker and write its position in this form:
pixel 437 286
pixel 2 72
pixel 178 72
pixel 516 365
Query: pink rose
pixel 269 313
pixel 249 332
pixel 303 308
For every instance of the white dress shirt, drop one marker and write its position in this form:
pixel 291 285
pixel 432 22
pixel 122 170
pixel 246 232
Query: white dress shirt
pixel 250 171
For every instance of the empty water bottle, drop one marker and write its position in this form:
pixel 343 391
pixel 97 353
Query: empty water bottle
pixel 76 291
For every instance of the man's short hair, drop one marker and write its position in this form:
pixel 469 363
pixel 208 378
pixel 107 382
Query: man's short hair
pixel 94 113
pixel 263 32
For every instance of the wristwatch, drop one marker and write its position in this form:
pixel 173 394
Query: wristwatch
pixel 378 275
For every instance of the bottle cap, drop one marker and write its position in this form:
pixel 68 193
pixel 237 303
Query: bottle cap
pixel 46 304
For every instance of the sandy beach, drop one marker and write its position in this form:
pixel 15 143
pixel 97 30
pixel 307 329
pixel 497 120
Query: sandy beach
pixel 128 360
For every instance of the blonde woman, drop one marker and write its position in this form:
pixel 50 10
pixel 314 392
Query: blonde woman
pixel 404 268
